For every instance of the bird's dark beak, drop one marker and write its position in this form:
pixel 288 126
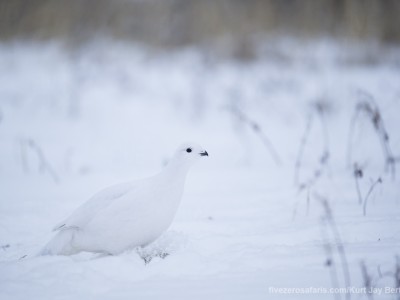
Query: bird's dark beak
pixel 204 153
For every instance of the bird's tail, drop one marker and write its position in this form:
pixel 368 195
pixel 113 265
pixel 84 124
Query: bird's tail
pixel 60 244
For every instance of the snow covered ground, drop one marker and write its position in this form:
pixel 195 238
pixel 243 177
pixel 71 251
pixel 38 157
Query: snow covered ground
pixel 73 122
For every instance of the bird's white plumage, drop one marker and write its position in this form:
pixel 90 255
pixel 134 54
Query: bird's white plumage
pixel 127 215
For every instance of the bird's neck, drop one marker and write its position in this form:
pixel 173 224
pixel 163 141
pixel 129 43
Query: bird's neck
pixel 176 169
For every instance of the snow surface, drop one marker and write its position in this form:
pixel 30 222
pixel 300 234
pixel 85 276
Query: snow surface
pixel 74 122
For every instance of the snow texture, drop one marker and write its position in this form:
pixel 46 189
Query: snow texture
pixel 74 122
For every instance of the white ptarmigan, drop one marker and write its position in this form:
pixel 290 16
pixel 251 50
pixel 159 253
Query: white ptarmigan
pixel 126 215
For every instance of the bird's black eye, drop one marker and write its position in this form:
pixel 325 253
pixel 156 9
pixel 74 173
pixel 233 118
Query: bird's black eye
pixel 188 150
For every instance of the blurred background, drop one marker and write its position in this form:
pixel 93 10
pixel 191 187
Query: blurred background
pixel 196 58
pixel 229 25
pixel 294 100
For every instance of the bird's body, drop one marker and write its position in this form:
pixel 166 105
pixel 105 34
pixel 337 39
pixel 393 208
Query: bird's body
pixel 127 215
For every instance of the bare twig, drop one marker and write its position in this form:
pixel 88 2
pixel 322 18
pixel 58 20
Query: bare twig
pixel 312 182
pixel 303 143
pixel 317 172
pixel 330 262
pixel 323 107
pixel 395 274
pixel 308 200
pixel 5 246
pixel 385 274
pixel 367 279
pixel 358 173
pixel 44 164
pixel 331 224
pixel 354 118
pixel 258 131
pixel 370 108
pixel 320 108
pixel 371 188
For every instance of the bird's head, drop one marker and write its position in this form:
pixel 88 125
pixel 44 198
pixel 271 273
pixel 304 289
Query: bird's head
pixel 188 153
